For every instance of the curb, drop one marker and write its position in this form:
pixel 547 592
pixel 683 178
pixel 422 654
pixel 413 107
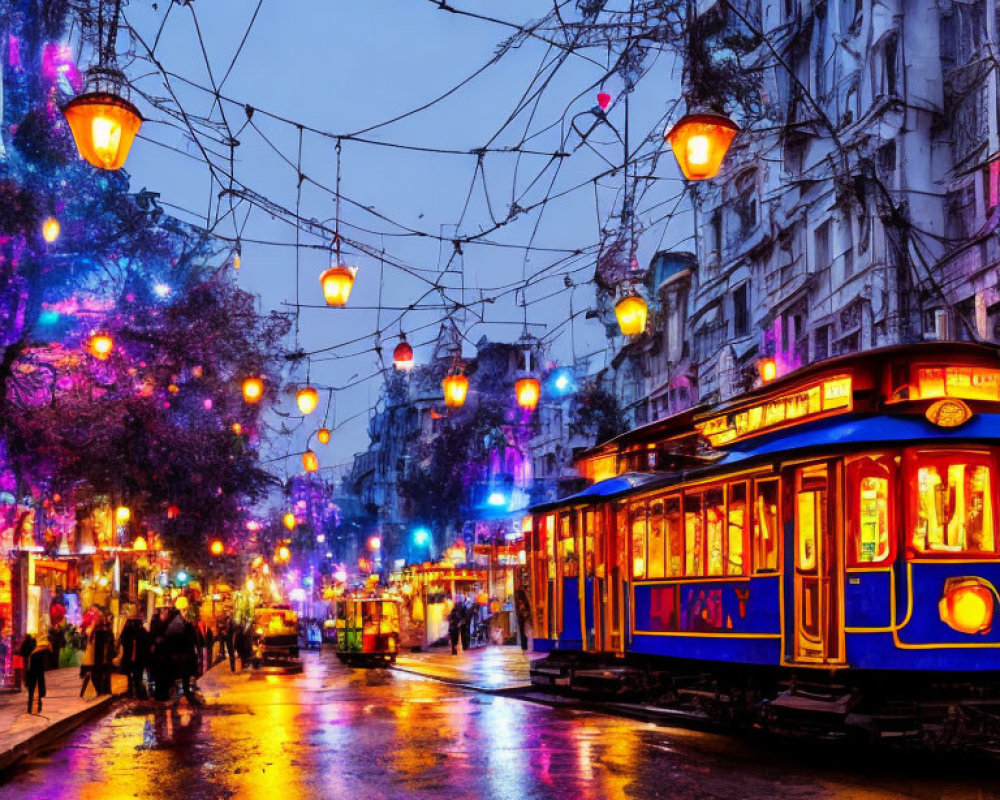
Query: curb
pixel 55 731
pixel 461 684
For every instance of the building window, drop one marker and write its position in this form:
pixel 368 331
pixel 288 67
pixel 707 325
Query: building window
pixel 715 235
pixel 822 254
pixel 741 315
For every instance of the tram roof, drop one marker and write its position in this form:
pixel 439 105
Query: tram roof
pixel 876 429
pixel 610 488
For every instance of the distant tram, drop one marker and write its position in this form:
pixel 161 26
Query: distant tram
pixel 835 528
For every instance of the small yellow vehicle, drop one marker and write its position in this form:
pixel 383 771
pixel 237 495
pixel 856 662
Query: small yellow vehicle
pixel 275 635
pixel 367 630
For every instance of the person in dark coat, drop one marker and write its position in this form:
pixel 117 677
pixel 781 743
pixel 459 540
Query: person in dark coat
pixel 26 648
pixel 104 655
pixel 36 663
pixel 182 645
pixel 456 624
pixel 159 657
pixel 134 643
pixel 522 609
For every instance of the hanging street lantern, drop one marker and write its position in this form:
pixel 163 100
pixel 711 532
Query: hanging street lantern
pixel 631 313
pixel 103 123
pixel 337 283
pixel 253 390
pixel 768 369
pixel 402 356
pixel 216 548
pixel 307 399
pixel 310 461
pixel 323 436
pixel 282 554
pixel 237 260
pixel 700 141
pixel 455 388
pixel 527 391
pixel 50 230
pixel 237 429
pixel 603 101
pixel 288 520
pixel 139 545
pixel 100 346
pixel 122 515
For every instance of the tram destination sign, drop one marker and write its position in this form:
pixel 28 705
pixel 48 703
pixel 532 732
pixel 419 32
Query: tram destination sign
pixel 803 404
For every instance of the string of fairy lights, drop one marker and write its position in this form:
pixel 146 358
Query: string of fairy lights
pixel 105 124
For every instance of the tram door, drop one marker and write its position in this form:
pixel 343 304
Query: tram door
pixel 816 567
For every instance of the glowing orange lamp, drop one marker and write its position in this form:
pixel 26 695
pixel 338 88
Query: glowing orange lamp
pixel 50 230
pixel 527 391
pixel 402 356
pixel 310 461
pixel 253 390
pixel 283 553
pixel 337 283
pixel 237 428
pixel 307 399
pixel 139 545
pixel 768 369
pixel 631 311
pixel 288 520
pixel 104 126
pixel 700 142
pixel 455 388
pixel 323 436
pixel 100 346
pixel 967 605
pixel 216 548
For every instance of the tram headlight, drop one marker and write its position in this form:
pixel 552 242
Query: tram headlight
pixel 967 605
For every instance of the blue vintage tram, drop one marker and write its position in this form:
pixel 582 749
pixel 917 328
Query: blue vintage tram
pixel 841 519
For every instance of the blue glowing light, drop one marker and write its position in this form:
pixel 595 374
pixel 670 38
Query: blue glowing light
pixel 164 579
pixel 421 536
pixel 48 318
pixel 497 499
pixel 561 382
pixel 162 291
pixel 182 576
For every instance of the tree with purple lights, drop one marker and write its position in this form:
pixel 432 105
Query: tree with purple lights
pixel 157 423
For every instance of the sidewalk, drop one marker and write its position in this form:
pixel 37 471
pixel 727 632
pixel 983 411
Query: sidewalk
pixel 491 668
pixel 62 711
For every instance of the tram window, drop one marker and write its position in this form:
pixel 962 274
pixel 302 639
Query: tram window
pixel 638 518
pixel 568 561
pixel 953 510
pixel 588 541
pixel 674 536
pixel 809 533
pixel 655 540
pixel 715 516
pixel 693 535
pixel 870 510
pixel 765 527
pixel 548 537
pixel 736 529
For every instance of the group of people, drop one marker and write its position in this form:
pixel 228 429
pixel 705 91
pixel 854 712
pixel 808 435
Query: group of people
pixel 469 620
pixel 171 649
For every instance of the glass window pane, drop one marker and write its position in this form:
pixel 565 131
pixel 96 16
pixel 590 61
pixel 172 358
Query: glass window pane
pixel 805 519
pixel 655 540
pixel 638 514
pixel 954 508
pixel 674 537
pixel 715 515
pixel 765 530
pixel 693 534
pixel 735 564
pixel 870 513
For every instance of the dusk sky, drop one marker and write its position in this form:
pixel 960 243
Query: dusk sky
pixel 343 66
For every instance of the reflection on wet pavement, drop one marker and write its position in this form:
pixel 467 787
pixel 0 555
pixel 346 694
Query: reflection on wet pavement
pixel 340 733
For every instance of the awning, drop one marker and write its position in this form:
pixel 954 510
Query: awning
pixel 612 487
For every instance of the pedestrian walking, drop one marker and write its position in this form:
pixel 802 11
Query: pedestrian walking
pixel 522 609
pixel 87 661
pixel 135 644
pixel 456 622
pixel 467 619
pixel 35 676
pixel 159 658
pixel 104 655
pixel 182 646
